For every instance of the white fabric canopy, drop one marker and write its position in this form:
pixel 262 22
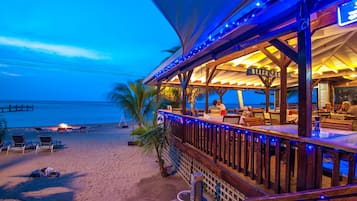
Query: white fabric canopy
pixel 195 20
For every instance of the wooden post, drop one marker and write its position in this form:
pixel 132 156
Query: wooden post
pixel 305 93
pixel 209 76
pixel 305 72
pixel 285 61
pixel 267 99
pixel 158 88
pixel 184 80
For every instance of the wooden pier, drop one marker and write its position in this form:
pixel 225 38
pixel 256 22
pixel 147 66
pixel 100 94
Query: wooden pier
pixel 16 108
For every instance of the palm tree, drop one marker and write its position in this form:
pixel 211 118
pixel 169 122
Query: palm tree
pixel 156 138
pixel 135 98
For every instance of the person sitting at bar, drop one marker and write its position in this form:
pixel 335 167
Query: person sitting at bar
pixel 327 108
pixel 214 109
pixel 345 108
pixel 247 112
pixel 354 110
pixel 214 106
pixel 222 107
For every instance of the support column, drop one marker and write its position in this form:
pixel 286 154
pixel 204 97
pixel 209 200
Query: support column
pixel 184 80
pixel 267 99
pixel 305 72
pixel 209 76
pixel 305 157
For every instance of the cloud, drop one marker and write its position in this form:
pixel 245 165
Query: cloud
pixel 10 74
pixel 62 50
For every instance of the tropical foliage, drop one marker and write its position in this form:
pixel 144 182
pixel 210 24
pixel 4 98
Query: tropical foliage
pixel 156 138
pixel 136 99
pixel 171 96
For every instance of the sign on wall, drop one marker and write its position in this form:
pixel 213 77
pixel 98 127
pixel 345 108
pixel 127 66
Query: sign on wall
pixel 347 13
pixel 263 72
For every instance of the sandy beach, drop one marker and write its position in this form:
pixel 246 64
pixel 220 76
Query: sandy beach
pixel 97 165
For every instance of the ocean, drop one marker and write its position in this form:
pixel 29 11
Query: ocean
pixel 52 113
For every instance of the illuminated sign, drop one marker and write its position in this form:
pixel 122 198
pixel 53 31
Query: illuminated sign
pixel 347 13
pixel 263 72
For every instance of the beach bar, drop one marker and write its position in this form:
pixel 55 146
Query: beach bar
pixel 269 46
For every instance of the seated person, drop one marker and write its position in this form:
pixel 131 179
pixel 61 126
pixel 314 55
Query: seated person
pixel 247 112
pixel 214 109
pixel 222 107
pixel 327 108
pixel 354 110
pixel 345 108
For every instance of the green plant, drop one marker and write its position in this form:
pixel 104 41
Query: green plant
pixel 155 138
pixel 135 98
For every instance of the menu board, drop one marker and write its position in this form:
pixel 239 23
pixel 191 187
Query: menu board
pixel 346 94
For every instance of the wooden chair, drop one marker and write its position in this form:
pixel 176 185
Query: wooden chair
pixel 324 115
pixel 253 121
pixel 233 119
pixel 259 112
pixel 349 125
pixel 275 118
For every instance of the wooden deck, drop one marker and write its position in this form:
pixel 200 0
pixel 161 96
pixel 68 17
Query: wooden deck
pixel 263 158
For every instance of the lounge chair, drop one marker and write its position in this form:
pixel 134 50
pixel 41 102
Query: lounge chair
pixel 19 143
pixel 4 146
pixel 46 142
pixel 82 129
pixel 43 130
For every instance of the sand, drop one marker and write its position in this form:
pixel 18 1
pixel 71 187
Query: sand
pixel 98 165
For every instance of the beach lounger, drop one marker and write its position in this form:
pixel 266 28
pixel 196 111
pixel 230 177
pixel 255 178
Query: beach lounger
pixel 46 142
pixel 4 146
pixel 82 129
pixel 43 130
pixel 19 143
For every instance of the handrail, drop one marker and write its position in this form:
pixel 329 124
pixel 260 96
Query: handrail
pixel 319 194
pixel 271 133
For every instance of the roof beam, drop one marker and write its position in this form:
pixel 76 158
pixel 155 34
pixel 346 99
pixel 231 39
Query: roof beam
pixel 286 49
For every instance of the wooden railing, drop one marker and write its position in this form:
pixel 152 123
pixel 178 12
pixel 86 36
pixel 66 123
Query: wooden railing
pixel 279 161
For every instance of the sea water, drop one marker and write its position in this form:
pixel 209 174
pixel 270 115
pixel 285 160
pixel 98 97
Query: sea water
pixel 52 113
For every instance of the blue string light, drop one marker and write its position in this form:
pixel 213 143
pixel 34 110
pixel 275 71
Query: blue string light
pixel 310 147
pixel 322 197
pixel 227 28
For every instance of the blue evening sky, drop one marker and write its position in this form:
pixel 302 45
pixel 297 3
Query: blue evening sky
pixel 78 49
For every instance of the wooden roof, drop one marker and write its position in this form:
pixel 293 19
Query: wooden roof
pixel 334 53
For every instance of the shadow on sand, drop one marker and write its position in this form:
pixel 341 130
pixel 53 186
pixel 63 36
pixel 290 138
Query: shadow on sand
pixel 42 188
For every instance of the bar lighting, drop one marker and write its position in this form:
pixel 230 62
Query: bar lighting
pixel 310 147
pixel 227 28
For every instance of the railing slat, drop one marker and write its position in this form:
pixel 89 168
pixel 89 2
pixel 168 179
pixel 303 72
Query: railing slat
pixel 335 179
pixel 239 152
pixel 246 155
pixel 319 169
pixel 251 158
pixel 311 164
pixel 267 162
pixel 288 166
pixel 351 168
pixel 277 167
pixel 259 169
